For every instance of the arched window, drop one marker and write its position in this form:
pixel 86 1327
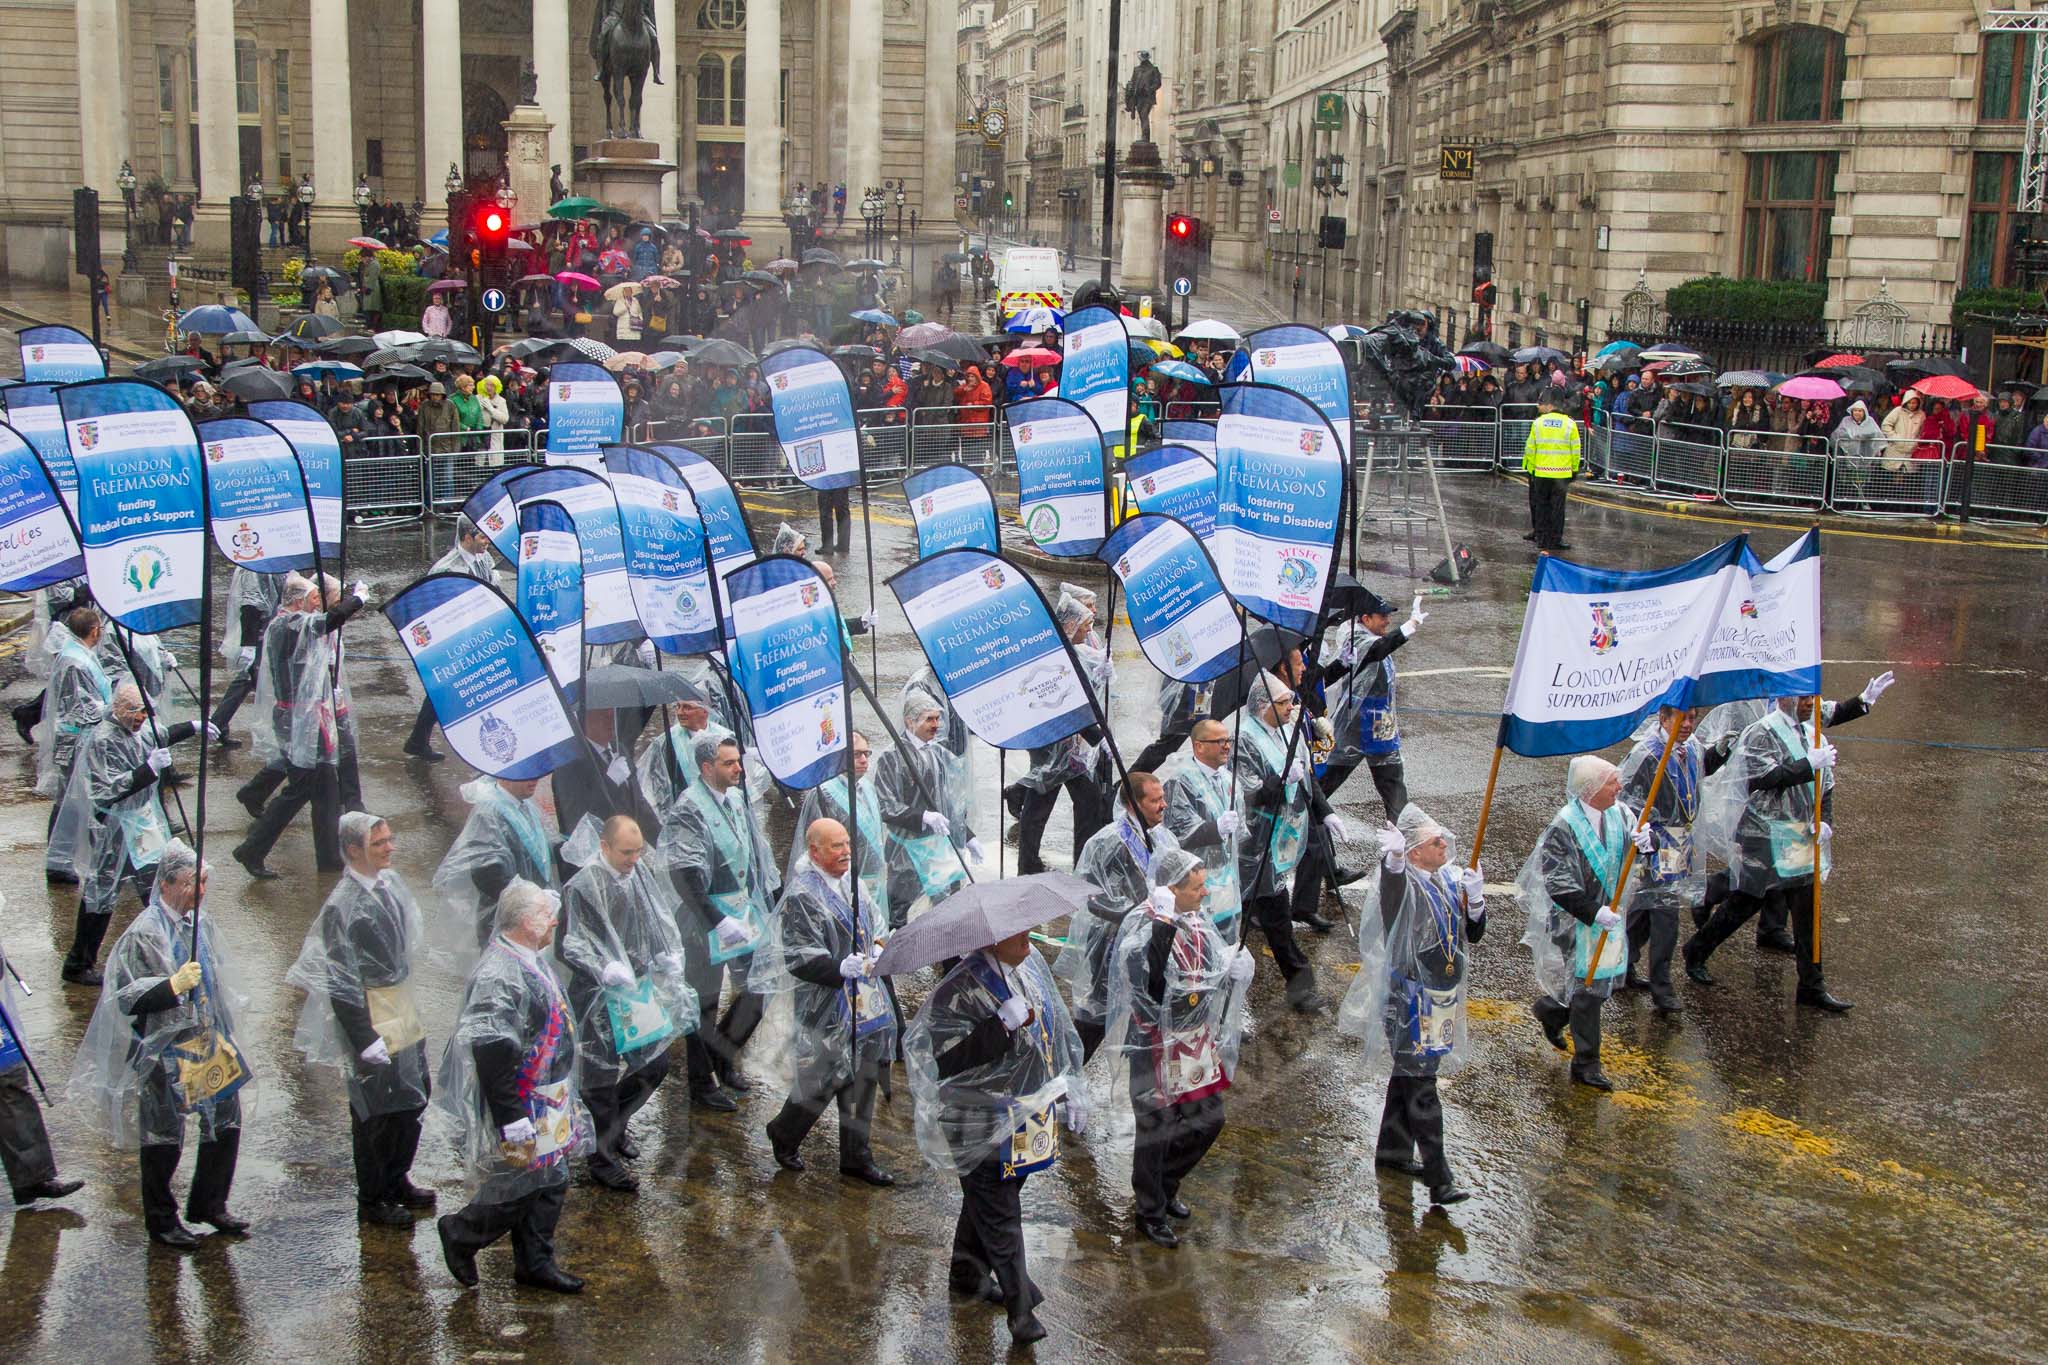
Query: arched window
pixel 1798 77
pixel 737 103
pixel 722 16
pixel 711 89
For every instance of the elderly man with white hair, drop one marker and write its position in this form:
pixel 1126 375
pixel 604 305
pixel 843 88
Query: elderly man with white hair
pixel 114 805
pixel 1576 935
pixel 1422 913
pixel 1281 804
pixel 360 1017
pixel 310 740
pixel 508 1081
pixel 923 789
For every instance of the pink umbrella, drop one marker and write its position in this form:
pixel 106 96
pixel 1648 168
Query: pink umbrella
pixel 446 287
pixel 660 282
pixel 1810 386
pixel 577 278
pixel 1032 355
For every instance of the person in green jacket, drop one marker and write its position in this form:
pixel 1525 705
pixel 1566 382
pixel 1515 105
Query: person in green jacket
pixel 468 410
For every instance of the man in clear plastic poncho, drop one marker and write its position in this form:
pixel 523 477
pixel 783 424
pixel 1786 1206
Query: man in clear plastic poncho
pixel 995 1069
pixel 1118 861
pixel 507 1079
pixel 668 765
pixel 471 556
pixel 1176 1016
pixel 75 701
pixel 140 659
pixel 1575 935
pixel 1719 730
pixel 161 1048
pixel 25 1153
pixel 727 879
pixel 1664 842
pixel 1282 805
pixel 47 609
pixel 844 1033
pixel 360 1017
pixel 1067 764
pixel 619 955
pixel 309 742
pixel 827 801
pixel 1421 914
pixel 1205 815
pixel 1758 816
pixel 923 790
pixel 505 839
pixel 253 598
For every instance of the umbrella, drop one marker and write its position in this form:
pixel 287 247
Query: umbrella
pixel 734 236
pixel 255 384
pixel 526 280
pixel 577 278
pixel 936 359
pixel 1852 378
pixel 1618 348
pixel 390 355
pixel 439 239
pixel 1613 362
pixel 1471 364
pixel 1743 379
pixel 633 230
pixel 241 362
pixel 1947 386
pixel 1671 353
pixel 320 369
pixel 719 351
pixel 784 265
pixel 924 334
pixel 1698 390
pixel 575 206
pixel 818 255
pixel 405 376
pixel 1835 362
pixel 515 244
pixel 1901 372
pixel 245 339
pixel 367 244
pixel 321 272
pixel 613 261
pixel 613 685
pixel 629 360
pixel 1810 386
pixel 1145 327
pixel 1181 370
pixel 1685 369
pixel 1208 329
pixel 867 263
pixel 874 317
pixel 1144 350
pixel 1033 356
pixel 911 317
pixel 609 214
pixel 978 915
pixel 762 278
pixel 443 348
pixel 663 360
pixel 1345 331
pixel 216 319
pixel 1491 352
pixel 446 287
pixel 661 282
pixel 398 337
pixel 623 289
pixel 520 350
pixel 954 258
pixel 584 346
pixel 168 369
pixel 1539 355
pixel 856 353
pixel 346 347
pixel 963 349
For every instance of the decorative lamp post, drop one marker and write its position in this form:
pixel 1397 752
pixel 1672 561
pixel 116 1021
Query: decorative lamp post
pixel 901 198
pixel 125 178
pixel 362 198
pixel 454 182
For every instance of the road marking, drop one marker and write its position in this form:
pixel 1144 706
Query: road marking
pixel 1950 538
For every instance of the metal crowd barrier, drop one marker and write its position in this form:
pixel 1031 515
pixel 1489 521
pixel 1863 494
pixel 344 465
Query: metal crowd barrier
pixel 951 435
pixel 1468 441
pixel 384 477
pixel 460 462
pixel 1764 476
pixel 1514 423
pixel 2001 487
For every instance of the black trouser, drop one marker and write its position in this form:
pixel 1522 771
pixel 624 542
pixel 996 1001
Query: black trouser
pixel 27 713
pixel 1091 1033
pixel 530 1218
pixel 240 688
pixel 212 1177
pixel 835 509
pixel 612 1107
pixel 856 1102
pixel 989 1237
pixel 1171 1141
pixel 1584 1016
pixel 331 788
pixel 1091 812
pixel 1653 919
pixel 1411 1124
pixel 24 1142
pixel 422 727
pixel 1547 502
pixel 1159 750
pixel 1793 901
pixel 384 1146
pixel 1272 914
pixel 725 1037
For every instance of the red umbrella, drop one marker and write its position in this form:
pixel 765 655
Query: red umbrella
pixel 1946 386
pixel 614 259
pixel 368 244
pixel 661 282
pixel 1032 355
pixel 1835 362
pixel 577 278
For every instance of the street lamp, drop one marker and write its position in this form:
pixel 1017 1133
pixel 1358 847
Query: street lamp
pixel 362 198
pixel 305 196
pixel 1209 167
pixel 901 198
pixel 454 182
pixel 125 178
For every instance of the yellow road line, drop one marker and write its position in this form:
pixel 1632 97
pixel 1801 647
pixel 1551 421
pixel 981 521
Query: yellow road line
pixel 1948 536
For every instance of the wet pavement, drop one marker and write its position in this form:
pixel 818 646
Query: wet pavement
pixel 1864 1187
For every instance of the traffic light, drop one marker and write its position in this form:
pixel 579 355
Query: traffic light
pixel 1180 230
pixel 1009 201
pixel 491 227
pixel 1182 255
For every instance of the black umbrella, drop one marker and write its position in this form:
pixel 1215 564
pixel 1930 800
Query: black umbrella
pixel 405 376
pixel 719 351
pixel 763 278
pixel 818 255
pixel 245 338
pixel 867 263
pixel 783 344
pixel 614 685
pixel 442 348
pixel 955 258
pixel 527 346
pixel 257 385
pixel 1614 362
pixel 1491 352
pixel 242 363
pixel 1697 390
pixel 937 359
pixel 1852 378
pixel 169 369
pixel 321 272
pixel 1539 355
pixel 856 353
pixel 315 327
pixel 1348 597
pixel 1902 373
pixel 963 349
pixel 346 347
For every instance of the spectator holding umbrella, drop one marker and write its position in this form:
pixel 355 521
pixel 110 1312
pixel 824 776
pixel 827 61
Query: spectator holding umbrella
pixel 1941 428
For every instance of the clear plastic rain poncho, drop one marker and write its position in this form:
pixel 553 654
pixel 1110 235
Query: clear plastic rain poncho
pixel 1573 868
pixel 1175 1017
pixel 356 968
pixel 1196 800
pixel 1407 1003
pixel 1756 813
pixel 720 864
pixel 1364 721
pixel 790 541
pixel 75 701
pixel 1072 757
pixel 922 863
pixel 458 560
pixel 841 1028
pixel 247 588
pixel 667 768
pixel 1719 728
pixel 303 692
pixel 151 662
pixel 152 1059
pixel 1261 756
pixel 629 920
pixel 12 1001
pixel 1117 862
pixel 827 801
pixel 45 607
pixel 953 734
pixel 113 813
pixel 1671 870
pixel 981 1091
pixel 505 837
pixel 729 716
pixel 513 1056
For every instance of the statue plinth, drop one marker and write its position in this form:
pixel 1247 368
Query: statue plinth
pixel 526 160
pixel 1144 190
pixel 625 172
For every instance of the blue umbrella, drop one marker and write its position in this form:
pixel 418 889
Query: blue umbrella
pixel 1035 319
pixel 439 239
pixel 216 319
pixel 875 317
pixel 1615 347
pixel 1346 331
pixel 318 369
pixel 1180 369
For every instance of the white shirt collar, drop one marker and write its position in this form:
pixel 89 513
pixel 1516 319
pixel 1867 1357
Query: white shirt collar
pixel 367 883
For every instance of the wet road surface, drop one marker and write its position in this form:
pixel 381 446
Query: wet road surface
pixel 1866 1187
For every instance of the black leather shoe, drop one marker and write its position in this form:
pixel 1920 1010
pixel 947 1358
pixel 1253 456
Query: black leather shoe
pixel 256 870
pixel 461 1261
pixel 1592 1076
pixel 1314 919
pixel 416 1198
pixel 714 1099
pixel 221 1221
pixel 1780 942
pixel 1400 1165
pixel 1631 982
pixel 1818 998
pixel 84 976
pixel 227 742
pixel 869 1174
pixel 56 878
pixel 1553 1028
pixel 550 1277
pixel 1528 535
pixel 49 1189
pixel 178 1238
pixel 386 1215
pixel 1027 1329
pixel 622 1181
pixel 1696 967
pixel 426 753
pixel 1162 1233
pixel 1176 1209
pixel 1564 545
pixel 988 1291
pixel 249 803
pixel 1013 801
pixel 1663 1001
pixel 26 729
pixel 1345 876
pixel 790 1160
pixel 1441 1195
pixel 738 1084
pixel 628 1148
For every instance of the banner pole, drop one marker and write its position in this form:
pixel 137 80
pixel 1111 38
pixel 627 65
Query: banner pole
pixel 896 738
pixel 867 529
pixel 1816 834
pixel 206 711
pixel 1628 859
pixel 1485 809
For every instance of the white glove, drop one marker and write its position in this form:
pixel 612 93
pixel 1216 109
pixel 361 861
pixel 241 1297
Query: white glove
pixel 247 658
pixel 1077 1115
pixel 1229 823
pixel 731 932
pixel 1823 756
pixel 1160 900
pixel 1014 1012
pixel 1827 832
pixel 1240 969
pixel 519 1130
pixel 1877 686
pixel 170 660
pixel 1416 616
pixel 1297 771
pixel 1393 844
pixel 361 590
pixel 618 770
pixel 1473 881
pixel 935 823
pixel 159 759
pixel 645 653
pixel 376 1054
pixel 974 852
pixel 212 732
pixel 1334 825
pixel 1644 838
pixel 853 966
pixel 1605 918
pixel 616 974
pixel 868 620
pixel 671 964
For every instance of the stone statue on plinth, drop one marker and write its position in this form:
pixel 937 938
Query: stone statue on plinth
pixel 624 47
pixel 529 84
pixel 1141 92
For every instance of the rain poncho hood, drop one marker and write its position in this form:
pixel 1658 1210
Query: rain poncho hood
pixel 356 968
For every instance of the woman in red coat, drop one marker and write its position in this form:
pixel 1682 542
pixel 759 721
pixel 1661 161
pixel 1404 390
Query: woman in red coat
pixel 1941 430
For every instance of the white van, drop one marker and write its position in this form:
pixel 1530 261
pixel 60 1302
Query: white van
pixel 1029 277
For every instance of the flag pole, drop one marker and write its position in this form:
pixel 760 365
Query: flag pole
pixel 1485 809
pixel 1628 859
pixel 1817 774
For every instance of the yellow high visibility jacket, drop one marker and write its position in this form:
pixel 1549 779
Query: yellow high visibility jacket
pixel 1552 450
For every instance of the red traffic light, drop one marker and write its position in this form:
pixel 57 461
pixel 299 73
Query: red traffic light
pixel 494 220
pixel 1180 227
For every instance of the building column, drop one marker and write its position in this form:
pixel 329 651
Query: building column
pixel 551 66
pixel 220 146
pixel 939 168
pixel 440 98
pixel 863 99
pixel 686 137
pixel 334 137
pixel 658 102
pixel 765 180
pixel 102 123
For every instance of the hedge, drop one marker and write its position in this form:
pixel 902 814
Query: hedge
pixel 405 297
pixel 1996 303
pixel 1718 298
